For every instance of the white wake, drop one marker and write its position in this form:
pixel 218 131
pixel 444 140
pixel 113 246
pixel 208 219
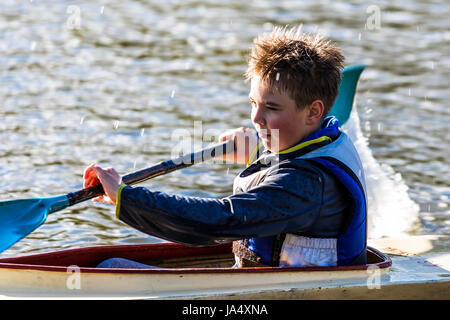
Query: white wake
pixel 391 212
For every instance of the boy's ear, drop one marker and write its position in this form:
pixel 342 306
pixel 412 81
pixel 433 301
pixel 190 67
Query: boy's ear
pixel 315 112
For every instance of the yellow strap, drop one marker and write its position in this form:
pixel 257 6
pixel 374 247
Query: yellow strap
pixel 305 144
pixel 119 191
pixel 252 156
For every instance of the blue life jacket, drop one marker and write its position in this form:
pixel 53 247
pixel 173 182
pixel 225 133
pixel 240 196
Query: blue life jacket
pixel 339 156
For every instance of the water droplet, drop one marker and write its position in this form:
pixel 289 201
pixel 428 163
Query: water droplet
pixel 278 76
pixel 116 124
pixel 380 127
pixel 172 94
pixel 359 36
pixel 33 46
pixel 142 132
pixel 102 9
pixel 82 119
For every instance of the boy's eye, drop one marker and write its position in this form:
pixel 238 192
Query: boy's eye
pixel 268 107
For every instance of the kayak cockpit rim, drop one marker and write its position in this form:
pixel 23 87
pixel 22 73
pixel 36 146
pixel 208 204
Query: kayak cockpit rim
pixel 86 258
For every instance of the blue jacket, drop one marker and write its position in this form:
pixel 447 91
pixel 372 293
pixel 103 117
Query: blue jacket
pixel 298 195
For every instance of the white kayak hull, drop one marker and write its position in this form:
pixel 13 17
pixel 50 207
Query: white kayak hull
pixel 395 277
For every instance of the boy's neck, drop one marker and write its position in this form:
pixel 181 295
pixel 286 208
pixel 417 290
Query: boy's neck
pixel 313 129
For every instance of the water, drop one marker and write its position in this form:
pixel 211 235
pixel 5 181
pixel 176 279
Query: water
pixel 111 81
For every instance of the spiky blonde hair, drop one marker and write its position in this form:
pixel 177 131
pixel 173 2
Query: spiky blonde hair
pixel 306 67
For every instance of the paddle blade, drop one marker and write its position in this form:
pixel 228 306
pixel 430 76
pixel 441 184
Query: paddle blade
pixel 18 218
pixel 343 105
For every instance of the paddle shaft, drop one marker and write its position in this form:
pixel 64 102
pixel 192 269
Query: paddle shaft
pixel 156 170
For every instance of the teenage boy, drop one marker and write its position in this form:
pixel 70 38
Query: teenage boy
pixel 301 200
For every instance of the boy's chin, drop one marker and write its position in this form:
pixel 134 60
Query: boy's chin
pixel 268 145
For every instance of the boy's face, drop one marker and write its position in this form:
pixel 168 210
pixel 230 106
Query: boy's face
pixel 272 109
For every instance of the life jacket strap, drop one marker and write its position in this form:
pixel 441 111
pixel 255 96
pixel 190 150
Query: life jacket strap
pixel 247 258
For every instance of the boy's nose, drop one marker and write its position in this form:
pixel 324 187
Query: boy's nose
pixel 258 116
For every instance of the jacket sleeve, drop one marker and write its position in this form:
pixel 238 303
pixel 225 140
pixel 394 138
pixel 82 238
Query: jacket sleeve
pixel 289 199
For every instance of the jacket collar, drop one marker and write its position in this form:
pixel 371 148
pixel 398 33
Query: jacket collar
pixel 327 133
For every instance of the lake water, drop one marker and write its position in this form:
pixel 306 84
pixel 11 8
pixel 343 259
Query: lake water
pixel 111 82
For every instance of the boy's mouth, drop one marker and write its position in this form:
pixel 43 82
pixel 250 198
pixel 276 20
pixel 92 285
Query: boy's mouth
pixel 264 133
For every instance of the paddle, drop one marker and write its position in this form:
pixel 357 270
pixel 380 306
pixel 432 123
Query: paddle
pixel 18 218
pixel 343 105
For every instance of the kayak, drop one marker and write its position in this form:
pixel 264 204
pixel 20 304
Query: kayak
pixel 205 273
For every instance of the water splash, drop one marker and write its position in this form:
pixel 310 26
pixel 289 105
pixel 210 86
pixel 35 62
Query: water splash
pixel 391 212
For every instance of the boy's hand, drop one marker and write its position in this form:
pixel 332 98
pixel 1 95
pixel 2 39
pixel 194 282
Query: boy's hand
pixel 245 141
pixel 109 178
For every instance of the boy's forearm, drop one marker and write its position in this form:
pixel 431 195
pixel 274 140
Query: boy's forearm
pixel 204 221
pixel 190 220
